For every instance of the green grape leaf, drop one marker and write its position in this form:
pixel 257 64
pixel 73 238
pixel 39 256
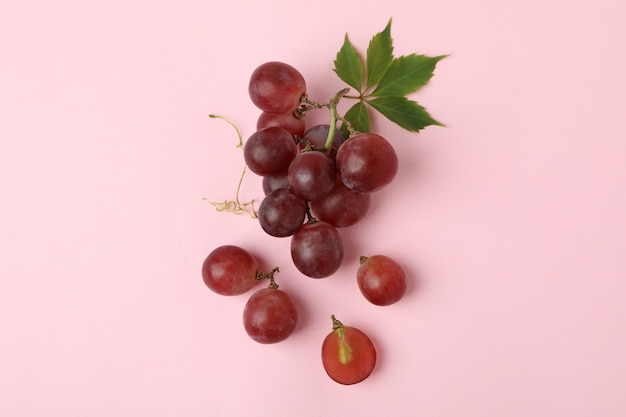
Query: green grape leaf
pixel 379 56
pixel 404 112
pixel 349 65
pixel 358 117
pixel 406 74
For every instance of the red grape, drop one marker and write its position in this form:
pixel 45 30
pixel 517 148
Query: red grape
pixel 275 182
pixel 348 354
pixel 343 207
pixel 281 213
pixel 269 151
pixel 311 175
pixel 229 270
pixel 382 280
pixel 317 136
pixel 288 121
pixel 270 315
pixel 276 87
pixel 367 162
pixel 317 249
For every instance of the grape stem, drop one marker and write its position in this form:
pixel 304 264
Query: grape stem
pixel 336 323
pixel 332 107
pixel 270 276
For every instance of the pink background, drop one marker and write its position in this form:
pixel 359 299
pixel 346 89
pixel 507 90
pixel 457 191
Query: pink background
pixel 510 221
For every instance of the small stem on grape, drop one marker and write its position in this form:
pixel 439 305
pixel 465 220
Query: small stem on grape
pixel 362 259
pixel 336 323
pixel 309 216
pixel 332 107
pixel 270 276
pixel 351 130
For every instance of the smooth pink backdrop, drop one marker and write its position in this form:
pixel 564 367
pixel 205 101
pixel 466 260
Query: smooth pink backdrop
pixel 510 221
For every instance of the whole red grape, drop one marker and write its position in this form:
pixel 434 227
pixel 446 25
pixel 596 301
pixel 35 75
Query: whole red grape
pixel 270 315
pixel 229 270
pixel 276 87
pixel 367 162
pixel 381 280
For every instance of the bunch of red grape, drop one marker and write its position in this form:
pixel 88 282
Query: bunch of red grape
pixel 315 182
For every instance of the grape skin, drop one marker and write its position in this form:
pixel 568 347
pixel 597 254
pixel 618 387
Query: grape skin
pixel 276 87
pixel 348 355
pixel 287 121
pixel 270 316
pixel 317 135
pixel 281 213
pixel 317 249
pixel 229 270
pixel 275 182
pixel 311 175
pixel 269 151
pixel 342 207
pixel 367 162
pixel 381 280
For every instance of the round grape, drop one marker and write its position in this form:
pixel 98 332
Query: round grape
pixel 381 280
pixel 229 270
pixel 367 162
pixel 270 316
pixel 288 121
pixel 317 249
pixel 311 175
pixel 269 151
pixel 276 87
pixel 317 135
pixel 281 213
pixel 343 207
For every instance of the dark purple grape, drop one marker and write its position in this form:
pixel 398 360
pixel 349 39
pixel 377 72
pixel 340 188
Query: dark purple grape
pixel 276 87
pixel 367 162
pixel 317 249
pixel 281 213
pixel 311 175
pixel 269 151
pixel 288 121
pixel 343 207
pixel 317 135
pixel 275 182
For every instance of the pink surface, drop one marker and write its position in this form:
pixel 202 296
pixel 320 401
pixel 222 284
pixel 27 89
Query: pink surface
pixel 510 221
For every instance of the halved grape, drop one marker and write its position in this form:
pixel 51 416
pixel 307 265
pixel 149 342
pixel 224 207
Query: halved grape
pixel 229 270
pixel 348 354
pixel 276 87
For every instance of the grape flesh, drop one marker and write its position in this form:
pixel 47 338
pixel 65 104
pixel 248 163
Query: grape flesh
pixel 317 249
pixel 269 151
pixel 381 280
pixel 229 270
pixel 276 87
pixel 287 121
pixel 270 316
pixel 311 175
pixel 348 354
pixel 342 207
pixel 367 162
pixel 281 213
